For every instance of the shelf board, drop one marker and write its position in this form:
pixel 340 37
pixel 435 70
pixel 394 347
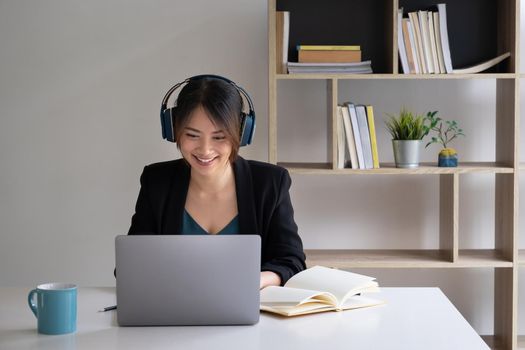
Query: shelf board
pixel 389 168
pixel 314 76
pixel 394 258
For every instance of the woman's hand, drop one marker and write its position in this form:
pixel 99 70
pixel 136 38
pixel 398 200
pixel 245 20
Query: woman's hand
pixel 269 278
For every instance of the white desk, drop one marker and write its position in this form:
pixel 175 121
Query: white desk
pixel 413 318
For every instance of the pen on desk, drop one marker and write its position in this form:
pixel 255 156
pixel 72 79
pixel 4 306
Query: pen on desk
pixel 109 308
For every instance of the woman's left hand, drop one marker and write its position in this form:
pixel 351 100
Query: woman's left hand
pixel 269 278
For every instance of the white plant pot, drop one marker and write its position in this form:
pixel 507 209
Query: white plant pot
pixel 406 153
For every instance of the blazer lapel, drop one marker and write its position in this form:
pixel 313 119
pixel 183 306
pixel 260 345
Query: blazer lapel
pixel 174 207
pixel 245 196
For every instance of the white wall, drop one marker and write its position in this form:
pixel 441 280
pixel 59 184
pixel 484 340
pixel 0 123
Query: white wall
pixel 80 91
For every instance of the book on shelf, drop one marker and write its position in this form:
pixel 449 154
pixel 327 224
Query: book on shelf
pixel 282 33
pixel 373 138
pixel 362 121
pixel 433 45
pixel 408 36
pixel 439 47
pixel 364 67
pixel 477 68
pixel 340 140
pixel 329 47
pixel 361 141
pixel 403 54
pixel 320 289
pixel 425 40
pixel 418 43
pixel 480 67
pixel 357 136
pixel 329 56
pixel 350 140
pixel 443 31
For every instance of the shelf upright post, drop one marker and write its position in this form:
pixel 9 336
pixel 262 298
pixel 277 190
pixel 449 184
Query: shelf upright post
pixel 506 213
pixel 331 103
pixel 507 185
pixel 449 215
pixel 272 84
pixel 392 43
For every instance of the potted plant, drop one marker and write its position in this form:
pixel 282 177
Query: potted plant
pixel 446 130
pixel 407 131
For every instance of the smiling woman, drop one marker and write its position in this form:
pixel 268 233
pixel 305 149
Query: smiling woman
pixel 212 190
pixel 218 101
pixel 211 200
pixel 205 145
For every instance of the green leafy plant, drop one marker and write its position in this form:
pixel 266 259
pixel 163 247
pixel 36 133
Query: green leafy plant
pixel 406 126
pixel 446 130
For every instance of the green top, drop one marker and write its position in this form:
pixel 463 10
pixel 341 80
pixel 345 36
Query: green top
pixel 191 227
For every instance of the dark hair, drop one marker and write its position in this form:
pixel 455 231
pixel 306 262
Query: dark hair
pixel 220 100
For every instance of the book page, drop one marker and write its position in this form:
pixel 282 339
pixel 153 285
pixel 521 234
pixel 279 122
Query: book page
pixel 359 301
pixel 303 309
pixel 287 297
pixel 337 282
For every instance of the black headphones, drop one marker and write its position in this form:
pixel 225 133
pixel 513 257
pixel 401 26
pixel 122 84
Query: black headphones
pixel 167 115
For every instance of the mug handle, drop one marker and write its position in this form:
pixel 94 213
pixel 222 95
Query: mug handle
pixel 32 305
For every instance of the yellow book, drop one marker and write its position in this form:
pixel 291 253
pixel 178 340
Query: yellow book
pixel 329 47
pixel 373 139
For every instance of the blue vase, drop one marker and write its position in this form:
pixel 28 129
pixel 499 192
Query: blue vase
pixel 448 161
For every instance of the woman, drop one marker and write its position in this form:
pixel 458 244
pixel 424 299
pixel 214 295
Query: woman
pixel 212 190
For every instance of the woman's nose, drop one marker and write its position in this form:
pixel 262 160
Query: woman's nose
pixel 205 145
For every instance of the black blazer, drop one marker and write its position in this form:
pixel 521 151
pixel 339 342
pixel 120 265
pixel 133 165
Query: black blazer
pixel 263 202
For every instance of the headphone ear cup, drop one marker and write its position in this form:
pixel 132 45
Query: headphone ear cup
pixel 167 120
pixel 247 128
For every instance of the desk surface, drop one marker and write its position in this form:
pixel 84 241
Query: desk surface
pixel 413 318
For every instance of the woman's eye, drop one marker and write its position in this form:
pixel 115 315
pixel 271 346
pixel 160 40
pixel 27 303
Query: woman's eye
pixel 191 136
pixel 219 138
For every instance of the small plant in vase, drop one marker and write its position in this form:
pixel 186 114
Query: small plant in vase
pixel 446 131
pixel 407 130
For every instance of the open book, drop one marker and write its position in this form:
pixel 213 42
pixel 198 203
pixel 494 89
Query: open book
pixel 319 289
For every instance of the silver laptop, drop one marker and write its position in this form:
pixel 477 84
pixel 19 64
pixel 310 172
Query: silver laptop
pixel 187 280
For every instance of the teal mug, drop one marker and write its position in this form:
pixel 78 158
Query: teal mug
pixel 55 307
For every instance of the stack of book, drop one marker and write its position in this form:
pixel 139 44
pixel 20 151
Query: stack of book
pixel 329 59
pixel 356 137
pixel 423 44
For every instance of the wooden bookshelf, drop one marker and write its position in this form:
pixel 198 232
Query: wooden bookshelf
pixel 410 258
pixel 389 168
pixel 373 24
pixel 397 76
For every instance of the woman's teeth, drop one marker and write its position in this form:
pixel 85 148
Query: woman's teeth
pixel 203 160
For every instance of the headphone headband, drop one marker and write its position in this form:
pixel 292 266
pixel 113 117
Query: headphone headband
pixel 167 115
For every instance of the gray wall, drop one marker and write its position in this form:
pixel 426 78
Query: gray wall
pixel 80 90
